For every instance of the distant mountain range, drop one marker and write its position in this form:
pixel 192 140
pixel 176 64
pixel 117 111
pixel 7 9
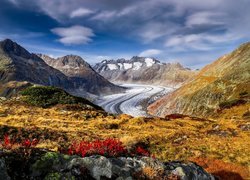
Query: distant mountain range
pixel 223 84
pixel 143 70
pixel 73 73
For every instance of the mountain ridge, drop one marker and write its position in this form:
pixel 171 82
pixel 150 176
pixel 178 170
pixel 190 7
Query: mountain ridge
pixel 144 71
pixel 17 64
pixel 81 73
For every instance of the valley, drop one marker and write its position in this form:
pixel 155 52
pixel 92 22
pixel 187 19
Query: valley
pixel 134 100
pixel 125 108
pixel 124 90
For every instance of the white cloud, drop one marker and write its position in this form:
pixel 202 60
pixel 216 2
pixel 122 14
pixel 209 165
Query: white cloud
pixel 74 35
pixel 189 42
pixel 81 12
pixel 154 30
pixel 103 57
pixel 150 52
pixel 203 18
pixel 201 42
pixel 104 15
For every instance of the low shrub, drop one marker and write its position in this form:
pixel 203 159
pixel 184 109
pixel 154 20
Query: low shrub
pixel 231 103
pixel 46 96
pixel 9 143
pixel 243 94
pixel 108 147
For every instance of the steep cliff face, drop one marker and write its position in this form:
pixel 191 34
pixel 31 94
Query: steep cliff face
pixel 224 83
pixel 143 70
pixel 81 74
pixel 17 64
pixel 70 73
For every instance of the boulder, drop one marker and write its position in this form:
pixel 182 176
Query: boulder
pixel 100 167
pixel 3 170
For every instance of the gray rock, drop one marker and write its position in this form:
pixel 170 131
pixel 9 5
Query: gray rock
pixel 122 168
pixel 3 170
pixel 187 171
pixel 99 166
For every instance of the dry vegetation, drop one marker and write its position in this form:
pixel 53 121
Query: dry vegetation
pixel 183 138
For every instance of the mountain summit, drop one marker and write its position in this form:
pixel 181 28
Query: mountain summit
pixel 17 64
pixel 143 70
pixel 82 74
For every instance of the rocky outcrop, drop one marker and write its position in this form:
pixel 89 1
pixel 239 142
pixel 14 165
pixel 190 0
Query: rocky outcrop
pixel 99 167
pixel 143 70
pixel 223 83
pixel 81 74
pixel 3 170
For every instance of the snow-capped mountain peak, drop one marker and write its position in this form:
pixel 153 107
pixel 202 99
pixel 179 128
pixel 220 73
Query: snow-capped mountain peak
pixel 135 63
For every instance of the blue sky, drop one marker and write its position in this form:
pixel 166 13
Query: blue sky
pixel 192 32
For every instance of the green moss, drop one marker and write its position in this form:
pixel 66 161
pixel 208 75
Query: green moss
pixel 53 176
pixel 45 97
pixel 48 164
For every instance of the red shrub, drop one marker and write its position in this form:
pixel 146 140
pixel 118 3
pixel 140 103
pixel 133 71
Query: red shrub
pixel 7 144
pixel 27 143
pixel 141 152
pixel 108 147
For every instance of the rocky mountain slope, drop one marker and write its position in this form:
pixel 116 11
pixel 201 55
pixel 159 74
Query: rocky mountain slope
pixel 143 70
pixel 17 64
pixel 81 74
pixel 221 85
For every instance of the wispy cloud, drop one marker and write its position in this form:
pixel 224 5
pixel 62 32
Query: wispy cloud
pixel 74 34
pixel 104 15
pixel 81 12
pixel 203 18
pixel 150 53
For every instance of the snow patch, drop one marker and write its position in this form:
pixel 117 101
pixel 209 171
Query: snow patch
pixel 112 66
pixel 127 66
pixel 149 62
pixel 120 65
pixel 137 65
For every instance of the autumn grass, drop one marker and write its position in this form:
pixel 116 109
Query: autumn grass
pixel 181 138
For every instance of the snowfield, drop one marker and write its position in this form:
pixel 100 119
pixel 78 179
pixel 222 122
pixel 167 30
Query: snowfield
pixel 149 62
pixel 130 102
pixel 112 66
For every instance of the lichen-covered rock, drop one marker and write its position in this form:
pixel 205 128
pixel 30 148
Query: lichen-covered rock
pixel 58 166
pixel 49 163
pixel 99 166
pixel 186 171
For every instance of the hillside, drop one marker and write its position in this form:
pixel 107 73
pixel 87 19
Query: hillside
pixel 144 71
pixel 222 85
pixel 221 147
pixel 81 74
